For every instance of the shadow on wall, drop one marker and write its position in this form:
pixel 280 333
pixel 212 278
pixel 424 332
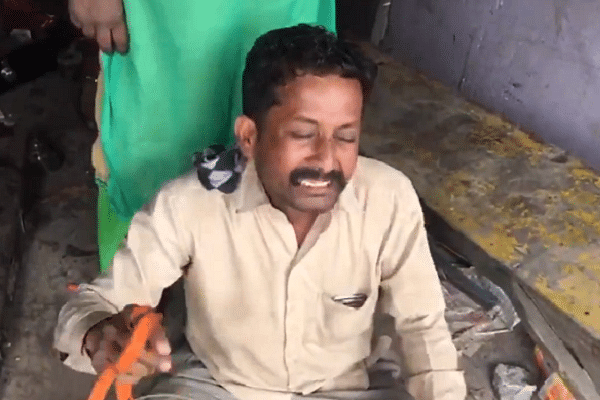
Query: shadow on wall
pixel 535 61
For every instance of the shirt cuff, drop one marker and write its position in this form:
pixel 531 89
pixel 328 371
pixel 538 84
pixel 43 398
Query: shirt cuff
pixel 76 357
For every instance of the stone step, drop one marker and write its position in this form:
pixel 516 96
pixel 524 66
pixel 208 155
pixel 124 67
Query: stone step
pixel 515 207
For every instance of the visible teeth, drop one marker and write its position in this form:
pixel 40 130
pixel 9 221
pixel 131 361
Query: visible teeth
pixel 315 184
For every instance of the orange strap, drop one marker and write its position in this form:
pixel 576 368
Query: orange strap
pixel 146 322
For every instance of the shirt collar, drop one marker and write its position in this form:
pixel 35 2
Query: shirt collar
pixel 348 201
pixel 251 194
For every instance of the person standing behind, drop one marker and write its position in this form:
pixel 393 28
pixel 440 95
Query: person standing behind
pixel 169 88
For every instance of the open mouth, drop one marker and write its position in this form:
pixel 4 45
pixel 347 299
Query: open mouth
pixel 311 183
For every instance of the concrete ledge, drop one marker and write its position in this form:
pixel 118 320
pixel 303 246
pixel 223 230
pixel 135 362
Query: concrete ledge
pixel 516 207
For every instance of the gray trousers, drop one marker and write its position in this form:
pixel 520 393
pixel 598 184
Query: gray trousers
pixel 193 382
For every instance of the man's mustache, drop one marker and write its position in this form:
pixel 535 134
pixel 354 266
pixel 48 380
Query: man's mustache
pixel 335 176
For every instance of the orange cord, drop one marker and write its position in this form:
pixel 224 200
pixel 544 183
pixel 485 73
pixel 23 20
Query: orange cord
pixel 146 322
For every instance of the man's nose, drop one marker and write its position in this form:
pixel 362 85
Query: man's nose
pixel 325 153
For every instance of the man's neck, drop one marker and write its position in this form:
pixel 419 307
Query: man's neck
pixel 302 222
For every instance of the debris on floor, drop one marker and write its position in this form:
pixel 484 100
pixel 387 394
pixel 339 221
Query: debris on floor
pixel 565 377
pixel 503 358
pixel 554 386
pixel 510 381
pixel 471 323
pixel 484 341
pixel 486 331
pixel 555 389
pixel 477 309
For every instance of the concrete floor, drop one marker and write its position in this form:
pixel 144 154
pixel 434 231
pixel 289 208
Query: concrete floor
pixel 61 248
pixel 60 244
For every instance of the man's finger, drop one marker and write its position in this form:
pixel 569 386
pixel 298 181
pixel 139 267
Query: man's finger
pixel 149 358
pixel 158 362
pixel 89 31
pixel 160 343
pixel 104 39
pixel 136 372
pixel 128 379
pixel 120 38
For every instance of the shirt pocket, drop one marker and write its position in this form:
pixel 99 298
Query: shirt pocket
pixel 340 319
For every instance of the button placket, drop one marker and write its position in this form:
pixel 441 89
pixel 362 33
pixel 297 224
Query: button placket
pixel 295 303
pixel 291 339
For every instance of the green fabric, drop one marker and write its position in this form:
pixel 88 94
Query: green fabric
pixel 111 229
pixel 178 89
pixel 176 92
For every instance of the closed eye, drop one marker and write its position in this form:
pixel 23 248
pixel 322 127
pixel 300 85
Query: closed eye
pixel 347 137
pixel 302 135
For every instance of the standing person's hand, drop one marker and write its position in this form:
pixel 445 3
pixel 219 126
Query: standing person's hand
pixel 102 20
pixel 105 341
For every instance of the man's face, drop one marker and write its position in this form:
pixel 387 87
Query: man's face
pixel 308 146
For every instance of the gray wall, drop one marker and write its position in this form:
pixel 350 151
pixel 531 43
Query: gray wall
pixel 535 61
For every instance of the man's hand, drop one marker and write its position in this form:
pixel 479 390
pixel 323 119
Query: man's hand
pixel 105 341
pixel 102 20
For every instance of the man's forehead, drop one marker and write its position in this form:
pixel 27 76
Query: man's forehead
pixel 311 82
pixel 350 123
pixel 310 93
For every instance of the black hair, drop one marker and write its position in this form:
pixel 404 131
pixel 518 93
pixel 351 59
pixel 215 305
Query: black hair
pixel 283 54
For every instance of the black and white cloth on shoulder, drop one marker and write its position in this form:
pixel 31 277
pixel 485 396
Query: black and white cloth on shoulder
pixel 219 167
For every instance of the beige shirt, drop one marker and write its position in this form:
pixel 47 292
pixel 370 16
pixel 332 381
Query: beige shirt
pixel 261 311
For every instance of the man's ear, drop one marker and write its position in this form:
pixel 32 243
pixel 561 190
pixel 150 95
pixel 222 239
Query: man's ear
pixel 246 135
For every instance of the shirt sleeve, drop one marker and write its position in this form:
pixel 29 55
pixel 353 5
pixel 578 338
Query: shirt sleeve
pixel 151 258
pixel 412 294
